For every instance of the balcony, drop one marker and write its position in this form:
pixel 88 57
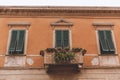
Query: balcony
pixel 60 61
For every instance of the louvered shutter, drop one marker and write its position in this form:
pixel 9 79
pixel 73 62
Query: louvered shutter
pixel 110 41
pixel 103 42
pixel 13 42
pixel 58 36
pixel 66 38
pixel 20 42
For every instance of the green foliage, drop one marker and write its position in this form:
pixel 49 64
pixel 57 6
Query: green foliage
pixel 76 50
pixel 64 57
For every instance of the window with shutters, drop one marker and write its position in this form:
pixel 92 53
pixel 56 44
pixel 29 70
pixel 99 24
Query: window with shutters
pixel 106 42
pixel 17 42
pixel 62 38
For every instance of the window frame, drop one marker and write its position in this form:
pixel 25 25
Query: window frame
pixel 9 40
pixel 54 37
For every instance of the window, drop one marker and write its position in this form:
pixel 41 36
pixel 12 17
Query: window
pixel 106 42
pixel 62 38
pixel 17 42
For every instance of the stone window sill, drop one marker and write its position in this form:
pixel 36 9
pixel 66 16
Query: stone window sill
pixel 108 54
pixel 15 55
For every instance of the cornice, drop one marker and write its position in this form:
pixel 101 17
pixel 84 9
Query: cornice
pixel 58 11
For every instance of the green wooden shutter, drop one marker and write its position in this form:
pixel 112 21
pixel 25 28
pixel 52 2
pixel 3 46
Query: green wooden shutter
pixel 102 41
pixel 66 38
pixel 20 42
pixel 58 38
pixel 13 42
pixel 62 38
pixel 110 41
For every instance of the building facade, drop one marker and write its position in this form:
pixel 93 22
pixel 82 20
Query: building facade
pixel 25 31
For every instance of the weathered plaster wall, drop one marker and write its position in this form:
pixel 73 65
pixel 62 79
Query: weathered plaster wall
pixel 40 37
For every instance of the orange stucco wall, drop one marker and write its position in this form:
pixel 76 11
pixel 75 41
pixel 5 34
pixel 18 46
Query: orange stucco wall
pixel 40 36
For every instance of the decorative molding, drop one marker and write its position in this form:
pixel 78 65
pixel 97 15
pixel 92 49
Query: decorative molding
pixel 109 60
pixel 103 24
pixel 32 55
pixel 30 11
pixel 61 22
pixel 91 54
pixel 15 61
pixel 19 24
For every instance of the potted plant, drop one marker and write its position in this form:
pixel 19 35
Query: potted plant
pixel 84 52
pixel 67 49
pixel 59 49
pixel 76 50
pixel 50 50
